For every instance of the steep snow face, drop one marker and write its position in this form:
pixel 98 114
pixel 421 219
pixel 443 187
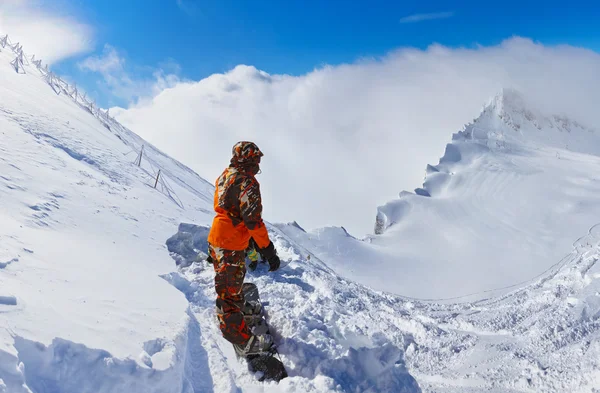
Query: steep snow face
pixel 513 190
pixel 82 246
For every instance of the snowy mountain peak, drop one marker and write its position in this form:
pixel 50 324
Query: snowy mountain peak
pixel 509 123
pixel 507 100
pixel 517 113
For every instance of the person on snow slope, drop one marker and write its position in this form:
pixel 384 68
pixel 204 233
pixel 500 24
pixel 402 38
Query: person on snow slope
pixel 238 208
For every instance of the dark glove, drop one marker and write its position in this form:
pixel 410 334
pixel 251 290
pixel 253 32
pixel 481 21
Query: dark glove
pixel 269 254
pixel 252 266
pixel 274 263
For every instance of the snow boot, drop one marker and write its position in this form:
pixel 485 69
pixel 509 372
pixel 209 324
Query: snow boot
pixel 251 308
pixel 257 345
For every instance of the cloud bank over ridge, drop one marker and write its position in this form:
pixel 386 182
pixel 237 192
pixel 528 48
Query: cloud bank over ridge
pixel 341 140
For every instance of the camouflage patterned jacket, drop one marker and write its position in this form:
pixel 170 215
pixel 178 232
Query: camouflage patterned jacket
pixel 238 206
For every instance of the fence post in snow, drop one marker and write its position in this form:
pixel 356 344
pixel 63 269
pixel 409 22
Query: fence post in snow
pixel 157 176
pixel 14 47
pixel 104 115
pixel 74 92
pixel 22 56
pixel 50 81
pixel 84 99
pixel 18 65
pixel 138 160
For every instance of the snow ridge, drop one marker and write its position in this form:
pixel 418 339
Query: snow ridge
pixel 507 123
pixel 157 160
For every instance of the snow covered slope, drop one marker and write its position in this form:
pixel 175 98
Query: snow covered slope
pixel 82 246
pixel 91 299
pixel 512 192
pixel 337 335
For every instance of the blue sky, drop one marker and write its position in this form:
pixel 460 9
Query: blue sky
pixel 193 38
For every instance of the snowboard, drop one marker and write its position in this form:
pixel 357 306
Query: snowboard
pixel 268 364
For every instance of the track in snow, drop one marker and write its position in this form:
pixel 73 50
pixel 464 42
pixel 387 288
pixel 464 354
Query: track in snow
pixel 540 337
pixel 322 329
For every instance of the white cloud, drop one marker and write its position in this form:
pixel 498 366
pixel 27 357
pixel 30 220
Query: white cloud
pixel 109 62
pixel 124 82
pixel 50 36
pixel 342 140
pixel 423 17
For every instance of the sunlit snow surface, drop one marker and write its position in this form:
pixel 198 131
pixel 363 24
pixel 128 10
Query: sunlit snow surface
pixel 91 299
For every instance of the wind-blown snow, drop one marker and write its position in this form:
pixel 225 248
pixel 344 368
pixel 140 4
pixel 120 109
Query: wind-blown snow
pixel 101 289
